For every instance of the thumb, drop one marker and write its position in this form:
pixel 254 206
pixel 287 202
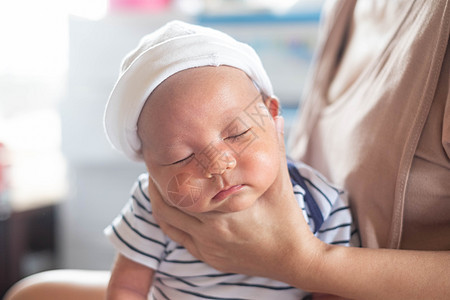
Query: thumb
pixel 180 237
pixel 279 123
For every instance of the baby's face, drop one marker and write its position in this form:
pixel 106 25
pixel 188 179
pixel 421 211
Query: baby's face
pixel 208 140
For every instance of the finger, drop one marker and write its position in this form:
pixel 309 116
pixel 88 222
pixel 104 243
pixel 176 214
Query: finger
pixel 169 214
pixel 284 177
pixel 279 123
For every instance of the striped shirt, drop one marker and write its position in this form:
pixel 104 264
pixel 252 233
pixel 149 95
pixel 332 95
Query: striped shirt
pixel 179 275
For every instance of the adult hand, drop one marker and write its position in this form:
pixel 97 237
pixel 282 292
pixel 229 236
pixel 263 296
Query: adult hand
pixel 260 240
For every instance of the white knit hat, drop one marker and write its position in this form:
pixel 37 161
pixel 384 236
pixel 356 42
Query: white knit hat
pixel 174 47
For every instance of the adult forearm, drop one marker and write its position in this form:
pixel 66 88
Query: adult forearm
pixel 361 273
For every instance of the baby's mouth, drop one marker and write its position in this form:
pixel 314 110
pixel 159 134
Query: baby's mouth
pixel 226 192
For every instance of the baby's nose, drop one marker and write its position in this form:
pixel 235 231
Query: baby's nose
pixel 218 166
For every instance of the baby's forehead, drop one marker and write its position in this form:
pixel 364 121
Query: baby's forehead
pixel 199 92
pixel 204 83
pixel 194 76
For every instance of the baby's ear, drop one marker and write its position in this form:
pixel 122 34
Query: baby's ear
pixel 273 105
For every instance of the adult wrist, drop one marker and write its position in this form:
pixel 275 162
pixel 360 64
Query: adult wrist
pixel 303 268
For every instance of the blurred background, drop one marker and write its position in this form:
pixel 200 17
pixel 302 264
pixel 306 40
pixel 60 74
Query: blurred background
pixel 60 181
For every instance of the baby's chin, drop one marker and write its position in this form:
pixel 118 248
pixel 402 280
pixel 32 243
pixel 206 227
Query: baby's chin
pixel 234 203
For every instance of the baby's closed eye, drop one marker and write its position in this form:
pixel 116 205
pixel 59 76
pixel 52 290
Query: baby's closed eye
pixel 239 135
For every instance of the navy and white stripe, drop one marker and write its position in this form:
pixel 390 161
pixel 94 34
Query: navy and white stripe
pixel 179 275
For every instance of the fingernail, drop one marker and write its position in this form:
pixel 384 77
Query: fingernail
pixel 279 121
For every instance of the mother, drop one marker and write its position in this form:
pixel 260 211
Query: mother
pixel 376 120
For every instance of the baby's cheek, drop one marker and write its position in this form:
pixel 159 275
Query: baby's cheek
pixel 264 163
pixel 183 190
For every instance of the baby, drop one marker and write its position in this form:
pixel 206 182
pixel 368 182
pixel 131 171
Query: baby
pixel 198 108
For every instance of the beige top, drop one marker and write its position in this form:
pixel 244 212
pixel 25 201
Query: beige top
pixel 376 117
